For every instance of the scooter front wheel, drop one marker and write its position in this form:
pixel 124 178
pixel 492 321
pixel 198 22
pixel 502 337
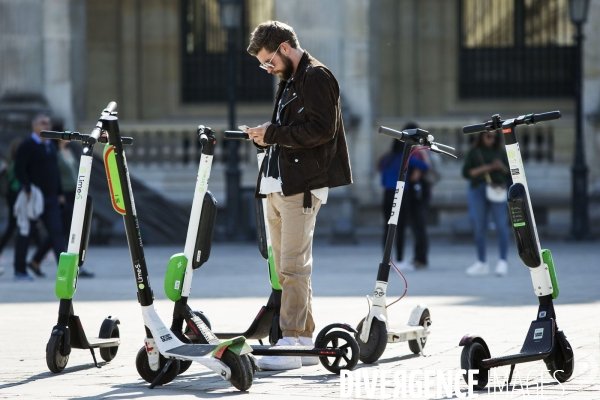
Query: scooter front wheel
pixel 561 361
pixel 146 373
pixel 471 356
pixel 54 359
pixel 242 373
pixel 376 343
pixel 345 342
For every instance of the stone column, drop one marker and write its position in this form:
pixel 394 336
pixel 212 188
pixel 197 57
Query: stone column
pixel 56 50
pixel 35 52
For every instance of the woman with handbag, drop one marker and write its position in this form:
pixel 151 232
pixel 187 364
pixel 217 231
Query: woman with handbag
pixel 486 167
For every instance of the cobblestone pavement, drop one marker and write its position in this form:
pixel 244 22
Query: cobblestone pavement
pixel 233 285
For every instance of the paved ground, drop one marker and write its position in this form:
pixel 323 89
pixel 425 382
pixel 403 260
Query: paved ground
pixel 232 286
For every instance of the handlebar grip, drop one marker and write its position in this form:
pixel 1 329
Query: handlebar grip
pixel 548 116
pixel 236 135
pixel 110 107
pixel 391 132
pixel 55 135
pixel 474 128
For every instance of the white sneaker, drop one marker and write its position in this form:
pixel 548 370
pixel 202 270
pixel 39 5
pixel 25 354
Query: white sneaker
pixel 502 268
pixel 478 269
pixel 405 266
pixel 307 361
pixel 279 363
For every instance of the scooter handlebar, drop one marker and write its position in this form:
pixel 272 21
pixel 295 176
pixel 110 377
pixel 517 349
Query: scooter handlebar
pixel 56 135
pixel 548 116
pixel 236 135
pixel 475 128
pixel 78 136
pixel 391 132
pixel 110 108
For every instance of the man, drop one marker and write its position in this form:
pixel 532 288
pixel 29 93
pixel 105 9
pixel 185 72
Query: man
pixel 306 155
pixel 36 164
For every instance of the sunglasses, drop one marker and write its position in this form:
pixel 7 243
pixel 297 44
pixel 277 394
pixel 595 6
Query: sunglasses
pixel 268 64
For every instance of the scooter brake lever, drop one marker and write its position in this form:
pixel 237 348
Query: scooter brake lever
pixel 443 145
pixel 435 149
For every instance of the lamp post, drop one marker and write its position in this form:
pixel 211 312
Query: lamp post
pixel 231 13
pixel 579 197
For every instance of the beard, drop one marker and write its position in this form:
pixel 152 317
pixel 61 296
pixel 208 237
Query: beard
pixel 288 68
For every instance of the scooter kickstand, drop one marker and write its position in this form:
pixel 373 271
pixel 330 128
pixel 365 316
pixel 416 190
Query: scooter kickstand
pixel 162 373
pixel 94 357
pixel 512 369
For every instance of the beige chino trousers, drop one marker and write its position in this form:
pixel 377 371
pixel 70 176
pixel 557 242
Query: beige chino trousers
pixel 291 238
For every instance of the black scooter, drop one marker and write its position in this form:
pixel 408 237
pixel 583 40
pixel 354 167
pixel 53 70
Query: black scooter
pixel 544 340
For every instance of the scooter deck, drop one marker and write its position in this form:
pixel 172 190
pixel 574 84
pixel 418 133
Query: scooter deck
pixel 294 351
pixel 404 333
pixel 192 350
pixel 538 345
pixel 100 343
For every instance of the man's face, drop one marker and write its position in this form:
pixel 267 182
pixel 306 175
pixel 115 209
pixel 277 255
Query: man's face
pixel 283 66
pixel 40 124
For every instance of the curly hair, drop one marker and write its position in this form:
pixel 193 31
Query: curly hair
pixel 269 35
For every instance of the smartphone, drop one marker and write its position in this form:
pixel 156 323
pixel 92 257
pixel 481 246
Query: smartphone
pixel 243 128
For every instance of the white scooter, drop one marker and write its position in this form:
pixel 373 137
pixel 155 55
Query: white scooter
pixel 374 332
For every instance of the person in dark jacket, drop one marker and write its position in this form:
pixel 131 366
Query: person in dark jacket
pixel 306 155
pixel 36 164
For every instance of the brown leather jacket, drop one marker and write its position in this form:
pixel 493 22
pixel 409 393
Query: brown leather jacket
pixel 313 151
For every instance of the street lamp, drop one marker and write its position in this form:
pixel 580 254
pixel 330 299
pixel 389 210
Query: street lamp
pixel 231 19
pixel 579 197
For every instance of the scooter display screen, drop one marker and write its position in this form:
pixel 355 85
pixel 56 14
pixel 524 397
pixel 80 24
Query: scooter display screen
pixel 517 214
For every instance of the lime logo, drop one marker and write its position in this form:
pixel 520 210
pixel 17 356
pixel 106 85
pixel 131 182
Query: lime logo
pixel 511 154
pixel 141 286
pixel 62 272
pixel 82 170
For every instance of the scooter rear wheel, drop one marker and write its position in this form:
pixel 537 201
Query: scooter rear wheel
pixel 108 353
pixel 561 362
pixel 471 356
pixel 345 342
pixel 375 345
pixel 242 373
pixel 54 359
pixel 147 374
pixel 413 345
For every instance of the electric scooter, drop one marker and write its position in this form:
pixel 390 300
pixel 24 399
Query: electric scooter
pixel 334 345
pixel 374 331
pixel 544 340
pixel 160 363
pixel 68 333
pixel 178 279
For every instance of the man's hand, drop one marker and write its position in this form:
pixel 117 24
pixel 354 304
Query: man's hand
pixel 258 133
